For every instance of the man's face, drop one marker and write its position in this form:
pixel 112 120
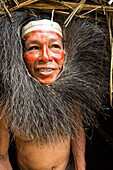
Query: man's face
pixel 44 55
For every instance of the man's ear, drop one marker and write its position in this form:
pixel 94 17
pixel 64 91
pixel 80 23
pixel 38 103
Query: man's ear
pixel 64 52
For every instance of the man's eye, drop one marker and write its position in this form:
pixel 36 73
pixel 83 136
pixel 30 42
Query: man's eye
pixel 56 46
pixel 33 48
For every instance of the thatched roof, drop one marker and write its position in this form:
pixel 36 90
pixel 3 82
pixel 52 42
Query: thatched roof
pixel 102 11
pixel 61 6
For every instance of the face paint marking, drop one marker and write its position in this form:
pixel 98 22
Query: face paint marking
pixel 59 57
pixel 30 57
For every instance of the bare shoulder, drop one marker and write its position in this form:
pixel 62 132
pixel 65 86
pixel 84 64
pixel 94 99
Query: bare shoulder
pixel 4 134
pixel 4 142
pixel 3 120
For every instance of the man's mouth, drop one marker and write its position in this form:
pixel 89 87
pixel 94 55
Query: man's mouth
pixel 45 69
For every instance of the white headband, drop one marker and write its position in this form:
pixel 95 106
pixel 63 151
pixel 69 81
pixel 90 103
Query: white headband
pixel 44 24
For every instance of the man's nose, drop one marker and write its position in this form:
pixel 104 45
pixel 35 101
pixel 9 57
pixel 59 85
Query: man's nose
pixel 44 55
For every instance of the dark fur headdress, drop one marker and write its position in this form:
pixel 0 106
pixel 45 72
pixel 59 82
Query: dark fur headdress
pixel 81 89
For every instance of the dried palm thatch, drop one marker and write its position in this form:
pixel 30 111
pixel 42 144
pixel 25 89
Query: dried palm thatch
pixel 102 11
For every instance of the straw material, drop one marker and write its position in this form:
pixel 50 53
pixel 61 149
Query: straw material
pixel 102 11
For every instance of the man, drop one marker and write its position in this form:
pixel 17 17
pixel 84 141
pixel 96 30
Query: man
pixel 44 90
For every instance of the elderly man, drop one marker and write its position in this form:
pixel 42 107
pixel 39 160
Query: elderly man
pixel 44 90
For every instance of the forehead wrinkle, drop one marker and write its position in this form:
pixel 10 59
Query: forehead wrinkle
pixel 37 41
pixel 31 42
pixel 43 32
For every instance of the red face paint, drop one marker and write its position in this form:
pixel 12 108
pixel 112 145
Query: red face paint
pixel 59 57
pixel 33 33
pixel 30 57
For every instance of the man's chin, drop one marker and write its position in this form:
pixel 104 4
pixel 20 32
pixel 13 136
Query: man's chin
pixel 46 81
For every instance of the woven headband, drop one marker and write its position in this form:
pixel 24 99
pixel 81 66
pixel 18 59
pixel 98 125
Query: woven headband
pixel 44 24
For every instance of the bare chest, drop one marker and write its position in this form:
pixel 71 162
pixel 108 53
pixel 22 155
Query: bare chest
pixel 34 156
